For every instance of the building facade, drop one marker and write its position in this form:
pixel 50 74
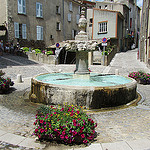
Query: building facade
pixel 131 13
pixel 39 22
pixel 106 23
pixel 144 49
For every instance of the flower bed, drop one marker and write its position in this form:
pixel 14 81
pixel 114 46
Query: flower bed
pixel 68 124
pixel 5 83
pixel 140 77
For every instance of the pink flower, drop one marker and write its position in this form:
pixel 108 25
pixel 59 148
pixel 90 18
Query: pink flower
pixel 75 124
pixel 55 113
pixel 62 109
pixel 36 130
pixel 66 137
pixel 82 127
pixel 63 133
pixel 62 136
pixel 55 129
pixel 74 133
pixel 82 135
pixel 84 141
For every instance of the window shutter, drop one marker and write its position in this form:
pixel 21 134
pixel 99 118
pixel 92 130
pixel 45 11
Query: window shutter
pixel 38 32
pixel 41 11
pixel 37 9
pixel 70 6
pixel 77 17
pixel 69 17
pixel 19 6
pixel 72 34
pixel 16 27
pixel 79 10
pixel 24 6
pixel 41 33
pixel 24 35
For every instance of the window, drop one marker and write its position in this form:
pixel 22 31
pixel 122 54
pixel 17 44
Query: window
pixel 39 32
pixel 70 6
pixel 79 10
pixel 57 9
pixel 74 33
pixel 103 27
pixel 22 6
pixel 58 26
pixel 130 22
pixel 24 34
pixel 39 11
pixel 105 6
pixel 100 7
pixel 69 17
pixel 90 22
pixel 16 28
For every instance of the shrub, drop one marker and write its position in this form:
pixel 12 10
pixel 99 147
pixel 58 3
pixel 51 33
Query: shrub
pixel 37 51
pixel 140 76
pixel 68 124
pixel 49 53
pixel 5 83
pixel 25 49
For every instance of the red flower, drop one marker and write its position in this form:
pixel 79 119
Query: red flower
pixel 92 121
pixel 82 127
pixel 41 130
pixel 41 121
pixel 82 135
pixel 75 124
pixel 81 131
pixel 36 130
pixel 74 133
pixel 63 133
pixel 78 112
pixel 66 137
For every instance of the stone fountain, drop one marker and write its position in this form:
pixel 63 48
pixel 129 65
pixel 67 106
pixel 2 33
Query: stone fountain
pixel 82 88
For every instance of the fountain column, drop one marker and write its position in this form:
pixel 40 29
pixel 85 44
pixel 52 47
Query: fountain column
pixel 81 53
pixel 81 45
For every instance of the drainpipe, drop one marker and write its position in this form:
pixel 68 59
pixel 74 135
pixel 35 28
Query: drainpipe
pixel 63 4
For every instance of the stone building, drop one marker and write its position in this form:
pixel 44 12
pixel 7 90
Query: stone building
pixel 39 22
pixel 144 49
pixel 131 13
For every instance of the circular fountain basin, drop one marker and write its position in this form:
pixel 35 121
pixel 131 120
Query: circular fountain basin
pixel 94 91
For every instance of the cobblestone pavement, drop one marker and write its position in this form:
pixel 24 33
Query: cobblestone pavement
pixel 17 114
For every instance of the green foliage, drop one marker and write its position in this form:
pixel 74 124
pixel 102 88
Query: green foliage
pixel 25 49
pixel 49 53
pixel 67 124
pixel 108 49
pixel 37 51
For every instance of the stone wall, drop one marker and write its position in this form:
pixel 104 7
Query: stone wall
pixel 41 58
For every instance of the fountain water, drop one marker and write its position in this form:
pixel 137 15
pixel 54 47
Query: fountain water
pixel 81 87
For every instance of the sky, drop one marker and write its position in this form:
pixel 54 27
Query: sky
pixel 139 2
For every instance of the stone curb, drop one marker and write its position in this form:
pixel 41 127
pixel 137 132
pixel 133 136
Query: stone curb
pixel 20 140
pixel 140 144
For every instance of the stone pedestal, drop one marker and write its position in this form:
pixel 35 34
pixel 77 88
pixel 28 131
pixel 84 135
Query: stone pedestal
pixel 82 62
